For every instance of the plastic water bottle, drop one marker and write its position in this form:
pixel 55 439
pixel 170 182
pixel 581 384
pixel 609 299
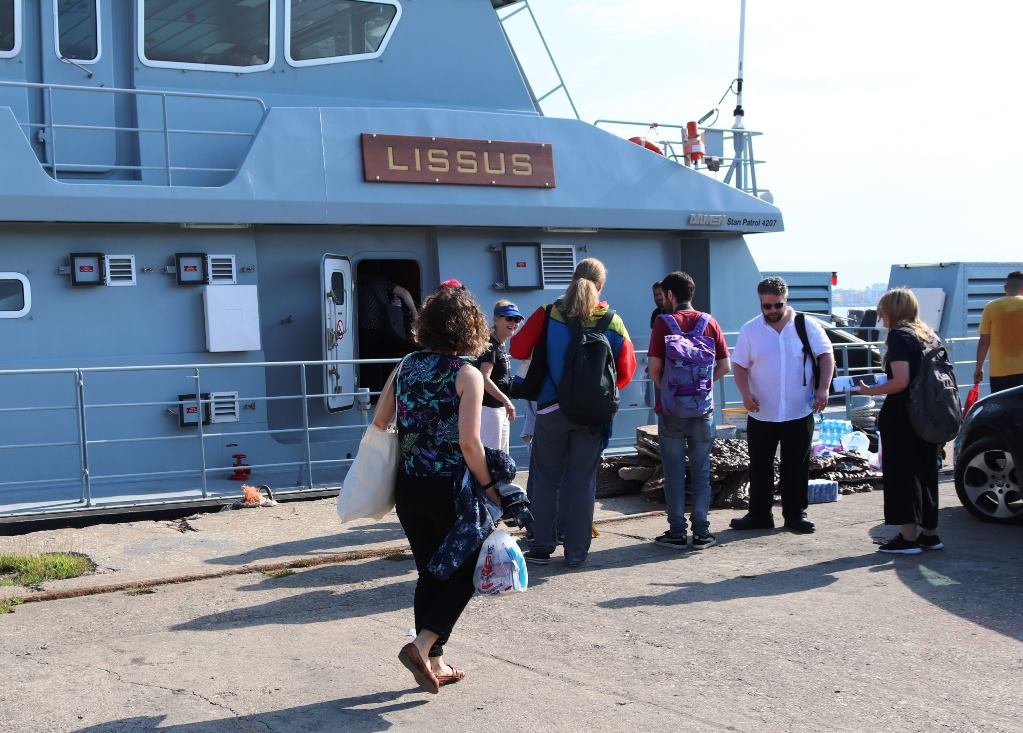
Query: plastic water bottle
pixel 831 431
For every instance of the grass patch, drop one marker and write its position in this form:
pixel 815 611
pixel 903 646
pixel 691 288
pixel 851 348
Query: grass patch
pixel 31 570
pixel 282 573
pixel 7 605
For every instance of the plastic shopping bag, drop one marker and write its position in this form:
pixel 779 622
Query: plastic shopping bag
pixel 971 398
pixel 368 490
pixel 501 567
pixel 875 458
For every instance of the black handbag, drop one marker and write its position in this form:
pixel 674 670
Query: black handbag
pixel 529 387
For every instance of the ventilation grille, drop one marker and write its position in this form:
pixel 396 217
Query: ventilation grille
pixel 558 264
pixel 223 407
pixel 119 269
pixel 979 292
pixel 220 270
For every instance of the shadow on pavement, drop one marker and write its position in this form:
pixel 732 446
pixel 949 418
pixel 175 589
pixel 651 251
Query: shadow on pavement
pixel 776 583
pixel 325 545
pixel 320 605
pixel 978 577
pixel 362 714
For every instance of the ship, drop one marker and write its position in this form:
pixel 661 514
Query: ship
pixel 205 208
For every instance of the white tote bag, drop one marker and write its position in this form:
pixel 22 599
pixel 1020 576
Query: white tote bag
pixel 368 489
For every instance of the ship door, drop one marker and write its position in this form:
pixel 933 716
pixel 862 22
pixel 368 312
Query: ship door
pixel 75 49
pixel 338 379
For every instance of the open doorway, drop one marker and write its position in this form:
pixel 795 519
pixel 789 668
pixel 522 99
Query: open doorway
pixel 385 321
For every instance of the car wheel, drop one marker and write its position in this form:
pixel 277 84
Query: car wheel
pixel 987 482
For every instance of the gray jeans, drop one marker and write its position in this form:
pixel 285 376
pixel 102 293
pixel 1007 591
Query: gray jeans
pixel 564 463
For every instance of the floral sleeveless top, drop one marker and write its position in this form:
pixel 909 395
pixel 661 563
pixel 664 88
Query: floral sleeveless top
pixel 428 415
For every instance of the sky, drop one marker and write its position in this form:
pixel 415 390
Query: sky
pixel 889 127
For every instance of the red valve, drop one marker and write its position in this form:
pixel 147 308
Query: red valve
pixel 241 470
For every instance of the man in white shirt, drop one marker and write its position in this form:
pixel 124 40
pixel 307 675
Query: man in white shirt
pixel 775 375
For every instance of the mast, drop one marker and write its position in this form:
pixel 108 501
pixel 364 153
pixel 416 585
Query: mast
pixel 739 139
pixel 739 112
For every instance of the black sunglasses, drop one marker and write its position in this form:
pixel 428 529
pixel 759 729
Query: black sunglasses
pixel 772 306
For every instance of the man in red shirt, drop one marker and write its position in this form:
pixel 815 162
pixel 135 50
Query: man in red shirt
pixel 694 405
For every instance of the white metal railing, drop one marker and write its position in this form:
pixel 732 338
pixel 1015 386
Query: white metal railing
pixel 85 441
pixel 740 166
pixel 46 132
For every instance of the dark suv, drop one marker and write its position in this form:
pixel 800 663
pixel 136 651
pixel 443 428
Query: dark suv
pixel 989 451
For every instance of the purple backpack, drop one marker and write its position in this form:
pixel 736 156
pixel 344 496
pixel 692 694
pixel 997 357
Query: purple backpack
pixel 687 381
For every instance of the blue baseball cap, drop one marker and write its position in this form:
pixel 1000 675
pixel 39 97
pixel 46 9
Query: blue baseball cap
pixel 508 311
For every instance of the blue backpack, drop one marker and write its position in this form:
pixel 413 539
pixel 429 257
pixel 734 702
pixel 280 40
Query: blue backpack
pixel 687 381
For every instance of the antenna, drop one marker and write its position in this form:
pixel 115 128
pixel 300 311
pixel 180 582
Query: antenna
pixel 739 112
pixel 742 162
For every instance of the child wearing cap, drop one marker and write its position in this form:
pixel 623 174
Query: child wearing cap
pixel 498 410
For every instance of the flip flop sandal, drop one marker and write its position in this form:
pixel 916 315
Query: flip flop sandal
pixel 413 661
pixel 457 675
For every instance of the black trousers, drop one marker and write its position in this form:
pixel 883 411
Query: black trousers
pixel 910 468
pixel 763 437
pixel 426 510
pixel 1006 382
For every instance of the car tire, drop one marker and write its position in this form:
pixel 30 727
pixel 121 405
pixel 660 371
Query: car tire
pixel 987 482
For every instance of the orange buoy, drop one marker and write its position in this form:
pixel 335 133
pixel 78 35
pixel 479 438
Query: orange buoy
pixel 646 143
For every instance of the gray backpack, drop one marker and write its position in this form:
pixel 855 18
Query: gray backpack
pixel 935 409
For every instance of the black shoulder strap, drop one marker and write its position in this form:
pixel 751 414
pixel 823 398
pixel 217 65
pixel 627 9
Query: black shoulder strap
pixel 800 323
pixel 543 340
pixel 546 319
pixel 605 323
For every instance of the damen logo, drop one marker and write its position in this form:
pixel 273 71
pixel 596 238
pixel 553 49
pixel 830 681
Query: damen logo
pixel 707 220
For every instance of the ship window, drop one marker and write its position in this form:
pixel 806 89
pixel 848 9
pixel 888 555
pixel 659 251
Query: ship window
pixel 77 29
pixel 10 28
pixel 212 35
pixel 15 295
pixel 332 31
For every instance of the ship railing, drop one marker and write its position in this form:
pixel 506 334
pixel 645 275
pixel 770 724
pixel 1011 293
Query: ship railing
pixel 46 132
pixel 962 352
pixel 637 408
pixel 728 149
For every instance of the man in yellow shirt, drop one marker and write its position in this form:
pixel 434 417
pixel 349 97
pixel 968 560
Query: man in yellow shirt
pixel 1001 333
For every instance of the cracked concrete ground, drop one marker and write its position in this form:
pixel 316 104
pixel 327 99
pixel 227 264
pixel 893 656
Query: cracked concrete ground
pixel 768 631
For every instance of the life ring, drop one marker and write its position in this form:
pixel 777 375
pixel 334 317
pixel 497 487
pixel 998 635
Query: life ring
pixel 645 143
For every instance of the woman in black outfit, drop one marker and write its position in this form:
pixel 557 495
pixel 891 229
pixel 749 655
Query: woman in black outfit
pixel 909 463
pixel 439 400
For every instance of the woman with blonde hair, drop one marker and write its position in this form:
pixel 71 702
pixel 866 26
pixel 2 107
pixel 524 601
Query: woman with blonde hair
pixel 909 463
pixel 566 453
pixel 439 396
pixel 495 366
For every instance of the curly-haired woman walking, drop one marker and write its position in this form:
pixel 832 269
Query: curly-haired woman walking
pixel 439 398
